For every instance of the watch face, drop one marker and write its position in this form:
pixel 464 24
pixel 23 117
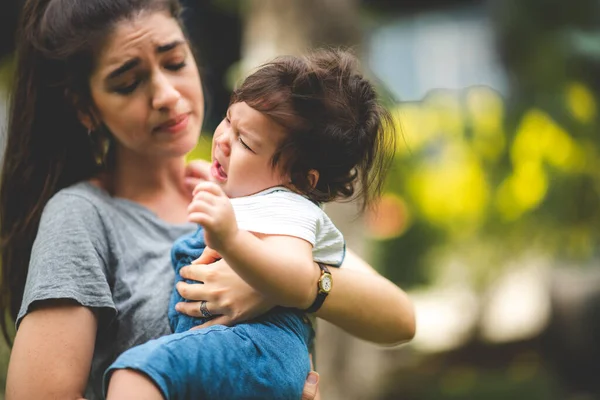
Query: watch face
pixel 326 283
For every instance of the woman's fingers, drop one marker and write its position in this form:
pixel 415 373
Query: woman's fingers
pixel 311 387
pixel 208 256
pixel 198 169
pixel 194 291
pixel 225 292
pixel 193 309
pixel 190 184
pixel 197 272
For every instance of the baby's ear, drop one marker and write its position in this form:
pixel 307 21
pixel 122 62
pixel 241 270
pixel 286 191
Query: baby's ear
pixel 313 178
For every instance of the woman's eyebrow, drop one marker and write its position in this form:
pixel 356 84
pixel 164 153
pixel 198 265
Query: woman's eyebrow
pixel 124 68
pixel 135 61
pixel 169 46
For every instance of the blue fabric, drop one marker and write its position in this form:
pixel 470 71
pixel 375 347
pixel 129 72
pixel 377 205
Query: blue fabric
pixel 264 358
pixel 185 250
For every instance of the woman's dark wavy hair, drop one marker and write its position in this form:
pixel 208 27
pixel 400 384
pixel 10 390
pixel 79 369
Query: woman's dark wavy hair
pixel 335 123
pixel 47 148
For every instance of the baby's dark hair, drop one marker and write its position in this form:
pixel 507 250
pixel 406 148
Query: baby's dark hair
pixel 334 121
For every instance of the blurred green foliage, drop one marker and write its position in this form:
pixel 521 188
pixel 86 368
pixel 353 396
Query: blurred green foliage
pixel 461 179
pixel 6 70
pixel 482 178
pixel 464 381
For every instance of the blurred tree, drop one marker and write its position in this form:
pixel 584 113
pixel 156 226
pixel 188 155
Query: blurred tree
pixel 522 171
pixel 545 44
pixel 551 50
pixel 275 27
pixel 408 6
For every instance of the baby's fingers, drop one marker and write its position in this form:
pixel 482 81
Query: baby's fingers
pixel 209 187
pixel 199 206
pixel 201 219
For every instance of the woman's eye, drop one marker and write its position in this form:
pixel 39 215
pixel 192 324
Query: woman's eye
pixel 176 67
pixel 125 90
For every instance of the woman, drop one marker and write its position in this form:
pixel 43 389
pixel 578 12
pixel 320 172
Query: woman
pixel 107 103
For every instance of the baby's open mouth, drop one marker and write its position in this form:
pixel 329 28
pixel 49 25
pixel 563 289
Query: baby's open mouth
pixel 218 172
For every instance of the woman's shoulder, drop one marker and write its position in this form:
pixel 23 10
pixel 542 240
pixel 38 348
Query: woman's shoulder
pixel 84 196
pixel 74 221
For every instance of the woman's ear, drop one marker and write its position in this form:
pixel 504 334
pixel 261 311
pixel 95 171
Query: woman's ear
pixel 86 117
pixel 86 120
pixel 313 178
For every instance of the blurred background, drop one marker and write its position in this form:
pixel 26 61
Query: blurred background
pixel 491 214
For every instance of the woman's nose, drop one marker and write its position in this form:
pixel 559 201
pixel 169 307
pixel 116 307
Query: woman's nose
pixel 165 95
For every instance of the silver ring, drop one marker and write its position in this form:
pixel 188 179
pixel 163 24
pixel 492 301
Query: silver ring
pixel 204 310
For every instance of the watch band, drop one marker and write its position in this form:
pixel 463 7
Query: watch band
pixel 321 294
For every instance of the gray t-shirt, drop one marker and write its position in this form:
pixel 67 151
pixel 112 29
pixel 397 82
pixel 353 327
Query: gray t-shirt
pixel 109 254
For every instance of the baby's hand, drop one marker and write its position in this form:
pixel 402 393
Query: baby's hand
pixel 212 209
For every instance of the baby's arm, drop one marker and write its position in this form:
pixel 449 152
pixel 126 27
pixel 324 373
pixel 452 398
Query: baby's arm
pixel 280 267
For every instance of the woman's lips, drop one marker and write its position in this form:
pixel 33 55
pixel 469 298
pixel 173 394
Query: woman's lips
pixel 217 172
pixel 174 125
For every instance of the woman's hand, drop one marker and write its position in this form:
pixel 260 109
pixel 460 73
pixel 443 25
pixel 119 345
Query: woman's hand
pixel 226 294
pixel 311 387
pixel 195 172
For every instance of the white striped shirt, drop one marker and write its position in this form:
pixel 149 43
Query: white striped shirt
pixel 279 211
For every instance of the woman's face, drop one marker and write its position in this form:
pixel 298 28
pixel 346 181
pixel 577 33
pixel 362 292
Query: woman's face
pixel 146 87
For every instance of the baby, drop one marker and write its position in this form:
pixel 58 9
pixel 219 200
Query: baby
pixel 299 132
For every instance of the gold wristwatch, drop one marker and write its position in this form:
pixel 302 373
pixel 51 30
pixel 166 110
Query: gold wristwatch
pixel 324 286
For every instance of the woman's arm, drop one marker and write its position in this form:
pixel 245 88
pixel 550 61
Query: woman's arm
pixel 52 352
pixel 361 302
pixel 367 305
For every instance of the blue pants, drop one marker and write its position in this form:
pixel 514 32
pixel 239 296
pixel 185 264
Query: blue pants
pixel 259 359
